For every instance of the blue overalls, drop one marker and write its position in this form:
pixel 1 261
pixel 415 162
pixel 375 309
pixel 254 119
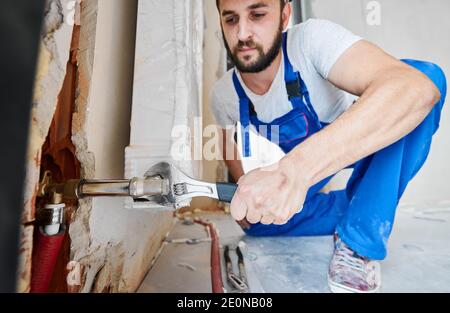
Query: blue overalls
pixel 363 213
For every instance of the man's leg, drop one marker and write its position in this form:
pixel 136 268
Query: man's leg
pixel 321 212
pixel 379 181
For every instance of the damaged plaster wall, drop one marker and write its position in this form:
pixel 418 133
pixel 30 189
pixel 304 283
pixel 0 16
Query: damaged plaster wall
pixel 116 246
pixel 51 69
pixel 103 234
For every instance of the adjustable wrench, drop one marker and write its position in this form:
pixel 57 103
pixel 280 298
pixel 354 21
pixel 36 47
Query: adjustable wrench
pixel 163 183
pixel 181 187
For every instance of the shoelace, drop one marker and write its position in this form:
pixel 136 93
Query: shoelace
pixel 366 271
pixel 347 258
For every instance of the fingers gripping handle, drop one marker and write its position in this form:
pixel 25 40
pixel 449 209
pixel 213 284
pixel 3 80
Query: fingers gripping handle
pixel 226 191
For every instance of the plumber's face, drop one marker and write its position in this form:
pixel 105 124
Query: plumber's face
pixel 252 30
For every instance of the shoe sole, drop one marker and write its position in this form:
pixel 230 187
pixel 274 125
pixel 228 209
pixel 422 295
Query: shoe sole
pixel 336 288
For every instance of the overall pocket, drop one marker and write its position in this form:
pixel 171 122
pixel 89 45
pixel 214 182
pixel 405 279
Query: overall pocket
pixel 286 131
pixel 293 127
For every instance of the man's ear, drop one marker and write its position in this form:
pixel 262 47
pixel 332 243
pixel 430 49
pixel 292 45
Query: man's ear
pixel 286 15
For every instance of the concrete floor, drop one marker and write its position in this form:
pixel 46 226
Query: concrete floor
pixel 418 259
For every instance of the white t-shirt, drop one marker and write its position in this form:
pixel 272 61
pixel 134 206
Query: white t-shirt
pixel 313 48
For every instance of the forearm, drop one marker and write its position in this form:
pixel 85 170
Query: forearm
pixel 230 154
pixel 234 163
pixel 388 110
pixel 235 168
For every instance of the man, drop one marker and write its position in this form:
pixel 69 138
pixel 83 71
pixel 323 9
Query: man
pixel 335 101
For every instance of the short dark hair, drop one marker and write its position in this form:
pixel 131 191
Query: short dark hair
pixel 282 3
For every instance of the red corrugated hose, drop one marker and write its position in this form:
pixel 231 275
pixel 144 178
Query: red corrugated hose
pixel 45 255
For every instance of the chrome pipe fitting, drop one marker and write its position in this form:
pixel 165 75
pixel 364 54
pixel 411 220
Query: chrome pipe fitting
pixel 51 216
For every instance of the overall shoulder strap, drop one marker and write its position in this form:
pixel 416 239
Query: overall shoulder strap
pixel 244 115
pixel 295 86
pixel 291 77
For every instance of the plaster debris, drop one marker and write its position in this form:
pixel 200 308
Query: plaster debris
pixel 422 217
pixel 73 277
pixel 192 268
pixel 189 241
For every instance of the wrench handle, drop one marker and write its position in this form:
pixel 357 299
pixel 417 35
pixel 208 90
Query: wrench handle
pixel 226 191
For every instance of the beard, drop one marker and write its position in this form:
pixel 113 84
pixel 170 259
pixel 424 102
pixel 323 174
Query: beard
pixel 263 60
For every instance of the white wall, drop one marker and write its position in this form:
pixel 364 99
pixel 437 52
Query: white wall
pixel 417 29
pixel 167 84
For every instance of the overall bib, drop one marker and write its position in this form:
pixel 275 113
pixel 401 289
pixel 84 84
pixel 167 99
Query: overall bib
pixel 363 213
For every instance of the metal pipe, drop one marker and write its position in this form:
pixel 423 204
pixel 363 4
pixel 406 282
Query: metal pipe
pixel 105 188
pixel 135 188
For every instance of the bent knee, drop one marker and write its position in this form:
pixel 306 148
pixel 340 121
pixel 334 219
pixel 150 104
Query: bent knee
pixel 434 72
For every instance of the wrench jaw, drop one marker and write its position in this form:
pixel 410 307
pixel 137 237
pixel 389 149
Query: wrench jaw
pixel 185 188
pixel 182 187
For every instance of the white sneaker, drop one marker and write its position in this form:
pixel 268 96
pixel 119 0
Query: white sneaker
pixel 351 273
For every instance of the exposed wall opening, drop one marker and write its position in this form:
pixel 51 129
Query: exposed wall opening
pixel 58 157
